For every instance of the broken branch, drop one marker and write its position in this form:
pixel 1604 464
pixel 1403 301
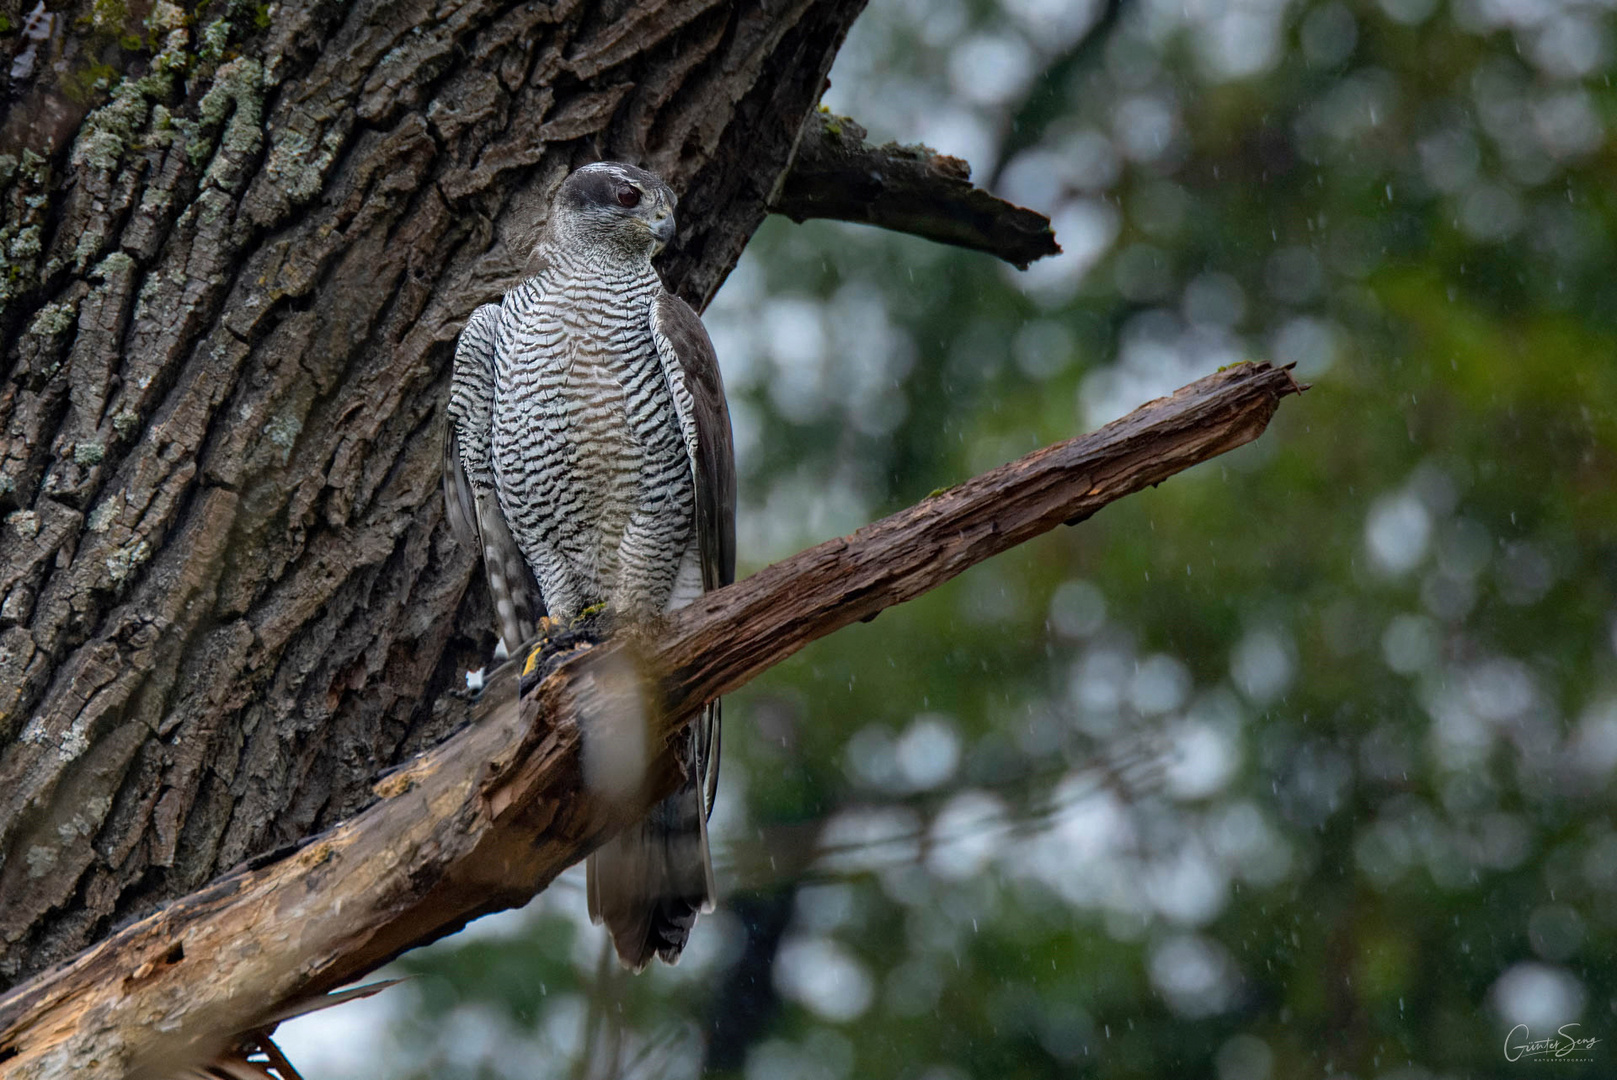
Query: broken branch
pixel 489 817
pixel 913 189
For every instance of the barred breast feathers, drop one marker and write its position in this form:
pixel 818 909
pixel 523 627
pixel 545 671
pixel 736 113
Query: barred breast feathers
pixel 589 463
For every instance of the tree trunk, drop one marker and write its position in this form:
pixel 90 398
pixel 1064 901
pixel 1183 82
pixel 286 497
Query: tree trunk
pixel 238 245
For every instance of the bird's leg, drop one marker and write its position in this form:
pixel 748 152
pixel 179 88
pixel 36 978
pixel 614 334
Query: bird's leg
pixel 546 628
pixel 556 635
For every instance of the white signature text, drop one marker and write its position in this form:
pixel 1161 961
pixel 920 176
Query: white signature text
pixel 1519 1043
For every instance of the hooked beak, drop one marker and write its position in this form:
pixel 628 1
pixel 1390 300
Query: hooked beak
pixel 663 229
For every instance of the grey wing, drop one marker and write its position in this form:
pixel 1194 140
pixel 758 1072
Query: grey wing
pixel 471 407
pixel 471 504
pixel 698 389
pixel 692 369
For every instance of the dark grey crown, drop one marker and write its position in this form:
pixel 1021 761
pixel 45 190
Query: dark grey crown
pixel 618 203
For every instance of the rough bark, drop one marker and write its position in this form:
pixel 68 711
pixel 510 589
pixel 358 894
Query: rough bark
pixel 490 816
pixel 233 270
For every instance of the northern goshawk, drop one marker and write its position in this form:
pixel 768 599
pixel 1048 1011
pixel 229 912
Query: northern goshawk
pixel 589 456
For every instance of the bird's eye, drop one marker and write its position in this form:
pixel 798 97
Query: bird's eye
pixel 628 196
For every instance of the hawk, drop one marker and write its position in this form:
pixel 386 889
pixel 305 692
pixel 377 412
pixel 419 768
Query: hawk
pixel 589 457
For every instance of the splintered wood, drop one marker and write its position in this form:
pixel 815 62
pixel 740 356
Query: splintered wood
pixel 486 819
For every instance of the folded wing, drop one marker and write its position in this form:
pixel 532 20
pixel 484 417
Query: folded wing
pixel 470 501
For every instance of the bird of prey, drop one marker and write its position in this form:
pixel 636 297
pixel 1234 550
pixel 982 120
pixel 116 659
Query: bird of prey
pixel 589 457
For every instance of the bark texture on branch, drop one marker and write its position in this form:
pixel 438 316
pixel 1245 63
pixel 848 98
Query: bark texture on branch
pixel 913 189
pixel 236 256
pixel 490 816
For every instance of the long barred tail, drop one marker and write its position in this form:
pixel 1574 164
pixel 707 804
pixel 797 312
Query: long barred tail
pixel 648 883
pixel 510 582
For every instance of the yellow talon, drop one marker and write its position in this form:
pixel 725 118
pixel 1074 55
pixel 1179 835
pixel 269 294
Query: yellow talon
pixel 546 627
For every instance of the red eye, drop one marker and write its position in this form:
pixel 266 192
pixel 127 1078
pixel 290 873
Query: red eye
pixel 628 196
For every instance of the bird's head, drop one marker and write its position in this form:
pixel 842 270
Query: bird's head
pixel 618 205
